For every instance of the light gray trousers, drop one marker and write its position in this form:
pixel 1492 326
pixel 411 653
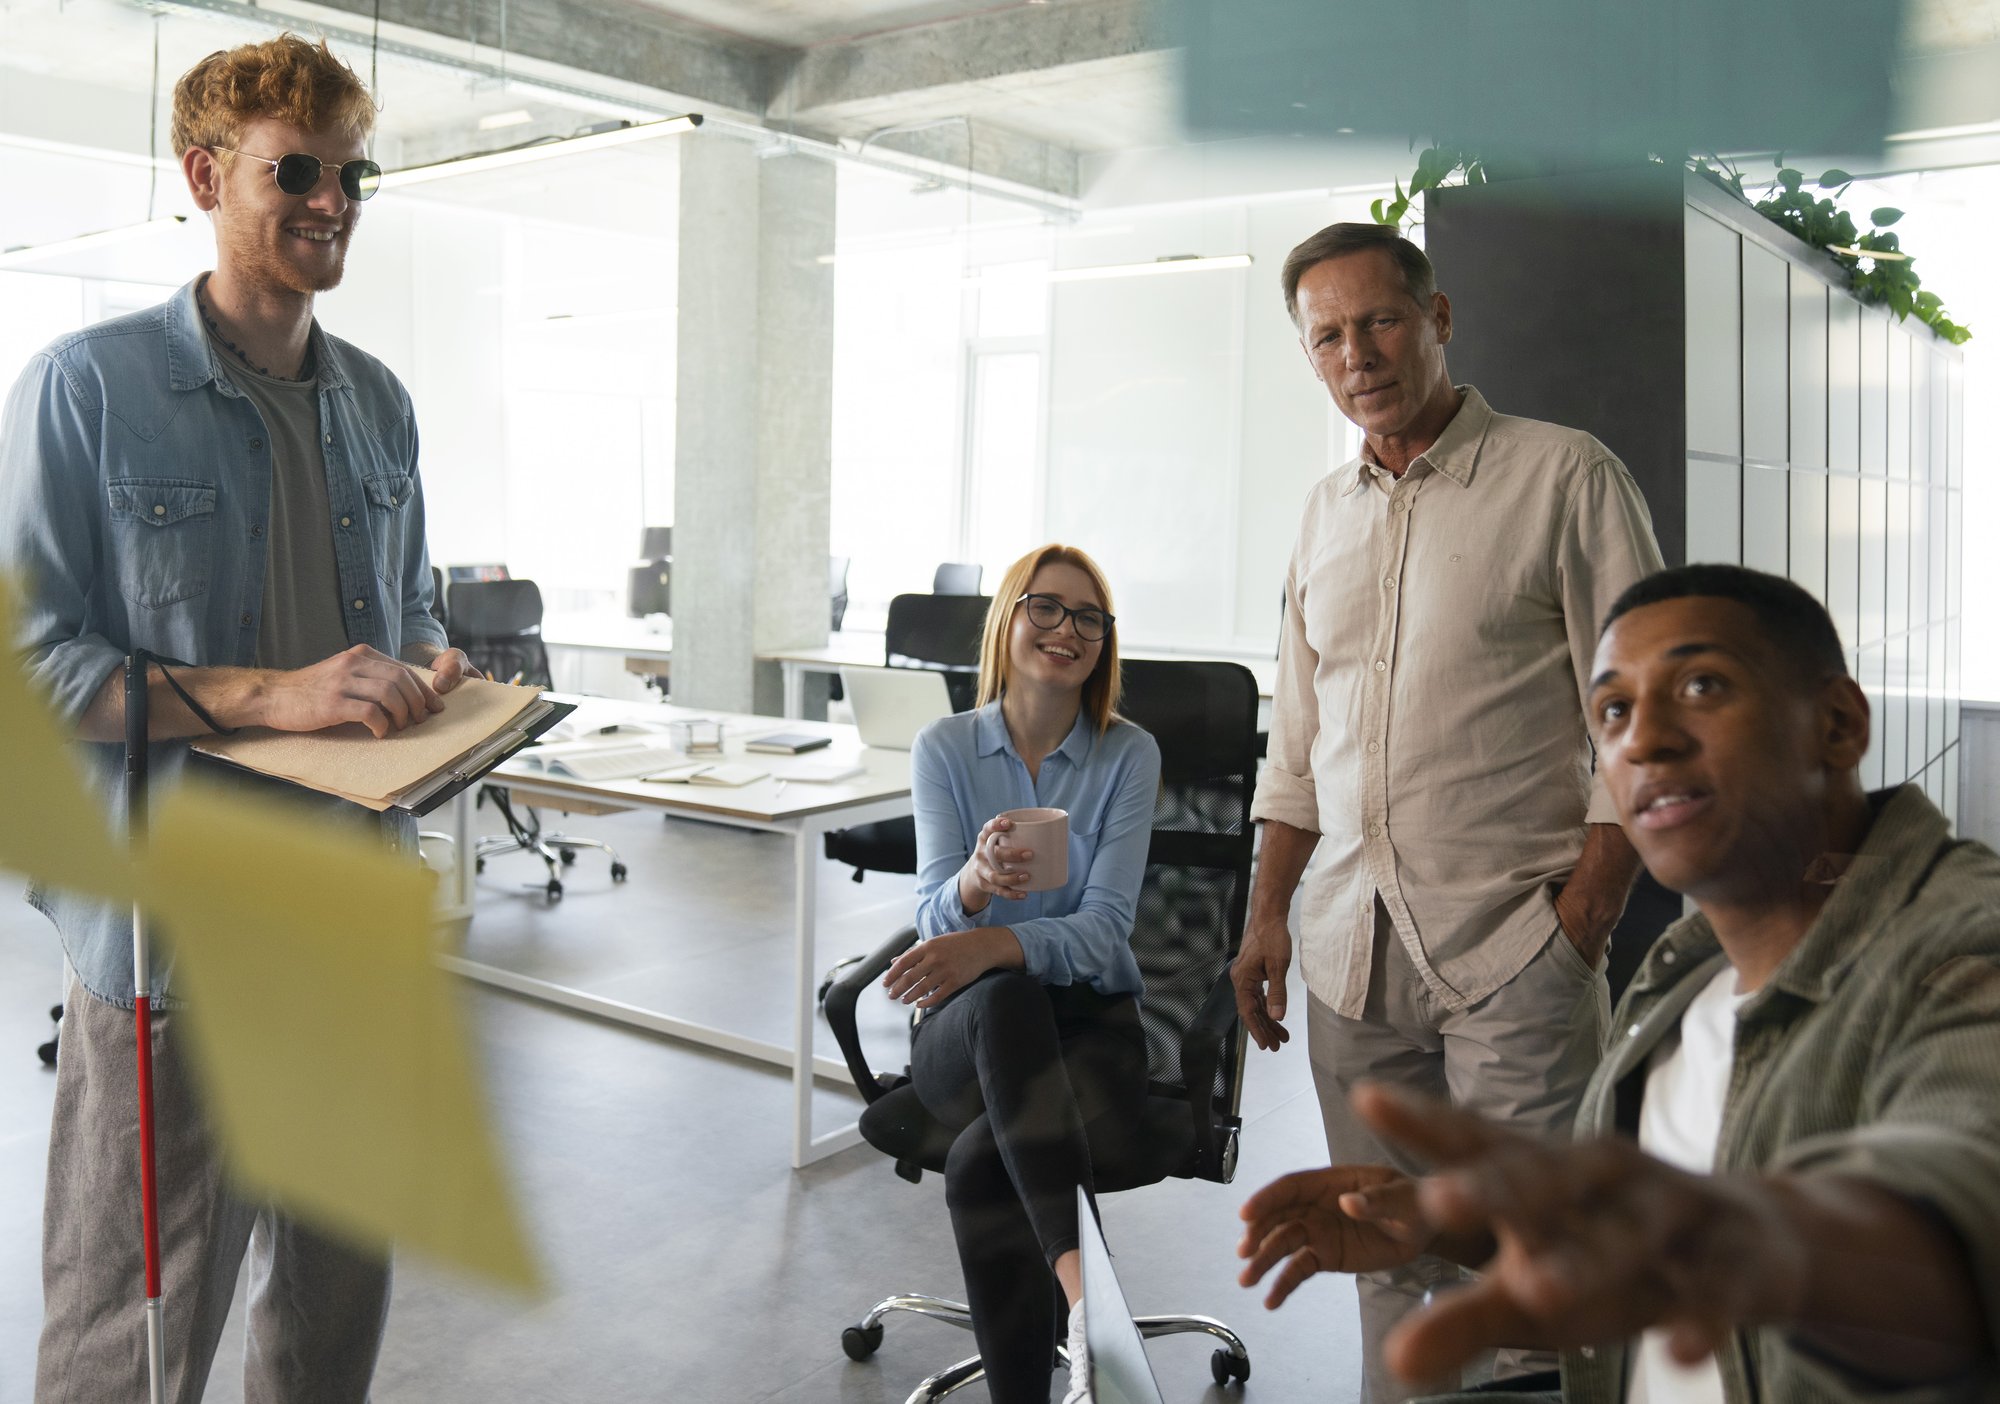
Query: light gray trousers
pixel 1520 1057
pixel 316 1306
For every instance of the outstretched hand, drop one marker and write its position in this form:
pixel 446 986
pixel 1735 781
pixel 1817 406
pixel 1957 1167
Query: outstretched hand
pixel 1347 1218
pixel 1596 1241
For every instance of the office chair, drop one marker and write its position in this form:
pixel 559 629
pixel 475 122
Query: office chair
pixel 499 625
pixel 924 631
pixel 1189 923
pixel 955 579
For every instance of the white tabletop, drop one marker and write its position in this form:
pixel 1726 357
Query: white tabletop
pixel 772 800
pixel 614 633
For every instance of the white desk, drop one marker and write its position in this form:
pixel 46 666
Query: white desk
pixel 856 648
pixel 801 809
pixel 611 633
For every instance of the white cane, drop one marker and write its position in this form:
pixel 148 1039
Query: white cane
pixel 142 1014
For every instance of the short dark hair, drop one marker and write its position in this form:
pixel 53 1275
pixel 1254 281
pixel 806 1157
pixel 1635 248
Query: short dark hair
pixel 1336 240
pixel 1796 625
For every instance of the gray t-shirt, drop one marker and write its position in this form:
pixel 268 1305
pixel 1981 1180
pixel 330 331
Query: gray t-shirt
pixel 302 621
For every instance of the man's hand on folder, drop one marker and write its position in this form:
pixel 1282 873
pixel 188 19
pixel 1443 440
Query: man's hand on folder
pixel 450 667
pixel 360 684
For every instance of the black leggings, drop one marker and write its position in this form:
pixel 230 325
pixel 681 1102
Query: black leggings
pixel 1041 1079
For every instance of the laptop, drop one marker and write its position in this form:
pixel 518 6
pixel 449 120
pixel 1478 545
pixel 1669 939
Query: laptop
pixel 891 705
pixel 1119 1372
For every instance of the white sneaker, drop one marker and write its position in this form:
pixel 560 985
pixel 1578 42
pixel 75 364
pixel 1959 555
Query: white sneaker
pixel 1079 1360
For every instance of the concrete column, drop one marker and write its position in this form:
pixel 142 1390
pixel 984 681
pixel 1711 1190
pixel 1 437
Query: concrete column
pixel 754 418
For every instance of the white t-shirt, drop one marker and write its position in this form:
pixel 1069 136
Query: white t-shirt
pixel 1679 1122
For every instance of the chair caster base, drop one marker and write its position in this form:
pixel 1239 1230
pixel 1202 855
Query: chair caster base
pixel 1224 1367
pixel 861 1342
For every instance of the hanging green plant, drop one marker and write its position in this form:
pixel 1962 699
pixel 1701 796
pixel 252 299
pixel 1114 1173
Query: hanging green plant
pixel 1889 280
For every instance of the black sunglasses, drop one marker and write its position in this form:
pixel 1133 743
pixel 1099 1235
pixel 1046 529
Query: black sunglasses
pixel 298 173
pixel 1048 612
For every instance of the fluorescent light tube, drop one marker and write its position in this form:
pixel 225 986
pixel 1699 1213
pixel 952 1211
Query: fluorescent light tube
pixel 1178 263
pixel 35 253
pixel 541 151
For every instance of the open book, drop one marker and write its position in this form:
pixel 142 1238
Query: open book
pixel 415 770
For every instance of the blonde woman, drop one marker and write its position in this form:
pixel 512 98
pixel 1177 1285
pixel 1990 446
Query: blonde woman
pixel 1030 1044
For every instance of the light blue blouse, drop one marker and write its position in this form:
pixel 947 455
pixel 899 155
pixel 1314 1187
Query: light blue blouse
pixel 964 770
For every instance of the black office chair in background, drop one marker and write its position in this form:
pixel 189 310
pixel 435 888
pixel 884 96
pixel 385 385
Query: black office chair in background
pixel 924 631
pixel 499 625
pixel 1189 924
pixel 953 578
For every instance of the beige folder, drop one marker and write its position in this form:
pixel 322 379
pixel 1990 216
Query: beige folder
pixel 416 769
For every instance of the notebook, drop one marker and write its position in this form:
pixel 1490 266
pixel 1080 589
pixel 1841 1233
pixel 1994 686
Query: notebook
pixel 708 773
pixel 414 770
pixel 787 743
pixel 609 759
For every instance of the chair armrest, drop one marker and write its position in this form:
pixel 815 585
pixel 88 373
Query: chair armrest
pixel 839 1008
pixel 1203 1047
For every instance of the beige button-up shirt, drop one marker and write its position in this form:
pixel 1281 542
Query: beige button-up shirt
pixel 1428 718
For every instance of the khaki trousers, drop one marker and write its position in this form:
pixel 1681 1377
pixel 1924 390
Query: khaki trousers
pixel 1520 1057
pixel 316 1306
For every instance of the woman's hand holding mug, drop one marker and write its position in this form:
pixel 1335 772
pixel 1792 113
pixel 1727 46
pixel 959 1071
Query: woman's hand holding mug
pixel 995 869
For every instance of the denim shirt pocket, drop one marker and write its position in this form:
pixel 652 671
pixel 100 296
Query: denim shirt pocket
pixel 162 538
pixel 388 496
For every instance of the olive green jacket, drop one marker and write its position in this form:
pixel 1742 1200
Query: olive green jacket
pixel 1873 1052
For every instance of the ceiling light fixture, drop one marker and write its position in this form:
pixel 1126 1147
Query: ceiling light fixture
pixel 35 253
pixel 623 134
pixel 1172 263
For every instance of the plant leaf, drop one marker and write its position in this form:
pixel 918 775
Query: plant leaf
pixel 1833 176
pixel 1885 216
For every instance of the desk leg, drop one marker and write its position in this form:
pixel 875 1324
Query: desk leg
pixel 795 690
pixel 805 1147
pixel 458 905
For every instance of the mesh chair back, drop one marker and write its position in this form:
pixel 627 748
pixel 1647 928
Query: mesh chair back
pixel 954 578
pixel 499 625
pixel 1197 883
pixel 941 632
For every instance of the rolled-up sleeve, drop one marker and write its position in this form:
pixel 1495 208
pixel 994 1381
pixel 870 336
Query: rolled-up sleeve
pixel 1285 789
pixel 1088 943
pixel 1606 545
pixel 50 545
pixel 941 844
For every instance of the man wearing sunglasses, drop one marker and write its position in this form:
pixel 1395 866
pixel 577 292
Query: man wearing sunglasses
pixel 216 481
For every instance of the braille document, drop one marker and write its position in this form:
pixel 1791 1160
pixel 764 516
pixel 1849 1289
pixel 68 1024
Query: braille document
pixel 601 760
pixel 415 770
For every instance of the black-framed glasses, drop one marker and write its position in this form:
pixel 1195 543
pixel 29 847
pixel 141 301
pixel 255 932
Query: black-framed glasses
pixel 298 173
pixel 1048 612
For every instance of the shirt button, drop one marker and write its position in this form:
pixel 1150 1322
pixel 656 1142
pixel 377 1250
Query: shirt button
pixel 159 509
pixel 1588 1352
pixel 246 619
pixel 1454 558
pixel 1380 665
pixel 256 528
pixel 1374 831
pixel 329 438
pixel 392 502
pixel 1373 747
pixel 1388 582
pixel 347 521
pixel 361 604
pixel 1400 505
pixel 1666 957
pixel 1632 1032
pixel 256 443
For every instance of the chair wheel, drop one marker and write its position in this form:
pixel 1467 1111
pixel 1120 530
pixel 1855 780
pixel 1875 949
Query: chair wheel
pixel 860 1342
pixel 568 855
pixel 55 1012
pixel 618 872
pixel 47 1052
pixel 1224 1367
pixel 554 890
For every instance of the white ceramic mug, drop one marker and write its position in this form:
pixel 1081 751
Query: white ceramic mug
pixel 1045 833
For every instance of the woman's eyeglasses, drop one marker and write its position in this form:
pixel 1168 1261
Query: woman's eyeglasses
pixel 1048 612
pixel 298 173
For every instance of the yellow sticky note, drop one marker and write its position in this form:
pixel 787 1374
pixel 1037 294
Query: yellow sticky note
pixel 336 1063
pixel 50 828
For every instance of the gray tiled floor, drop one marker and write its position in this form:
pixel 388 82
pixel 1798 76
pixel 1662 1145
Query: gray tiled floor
pixel 688 1261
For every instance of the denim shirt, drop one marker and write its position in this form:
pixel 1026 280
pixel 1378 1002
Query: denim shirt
pixel 135 487
pixel 964 770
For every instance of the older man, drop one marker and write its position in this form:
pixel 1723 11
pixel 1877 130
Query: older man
pixel 1428 744
pixel 1782 1187
pixel 218 481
